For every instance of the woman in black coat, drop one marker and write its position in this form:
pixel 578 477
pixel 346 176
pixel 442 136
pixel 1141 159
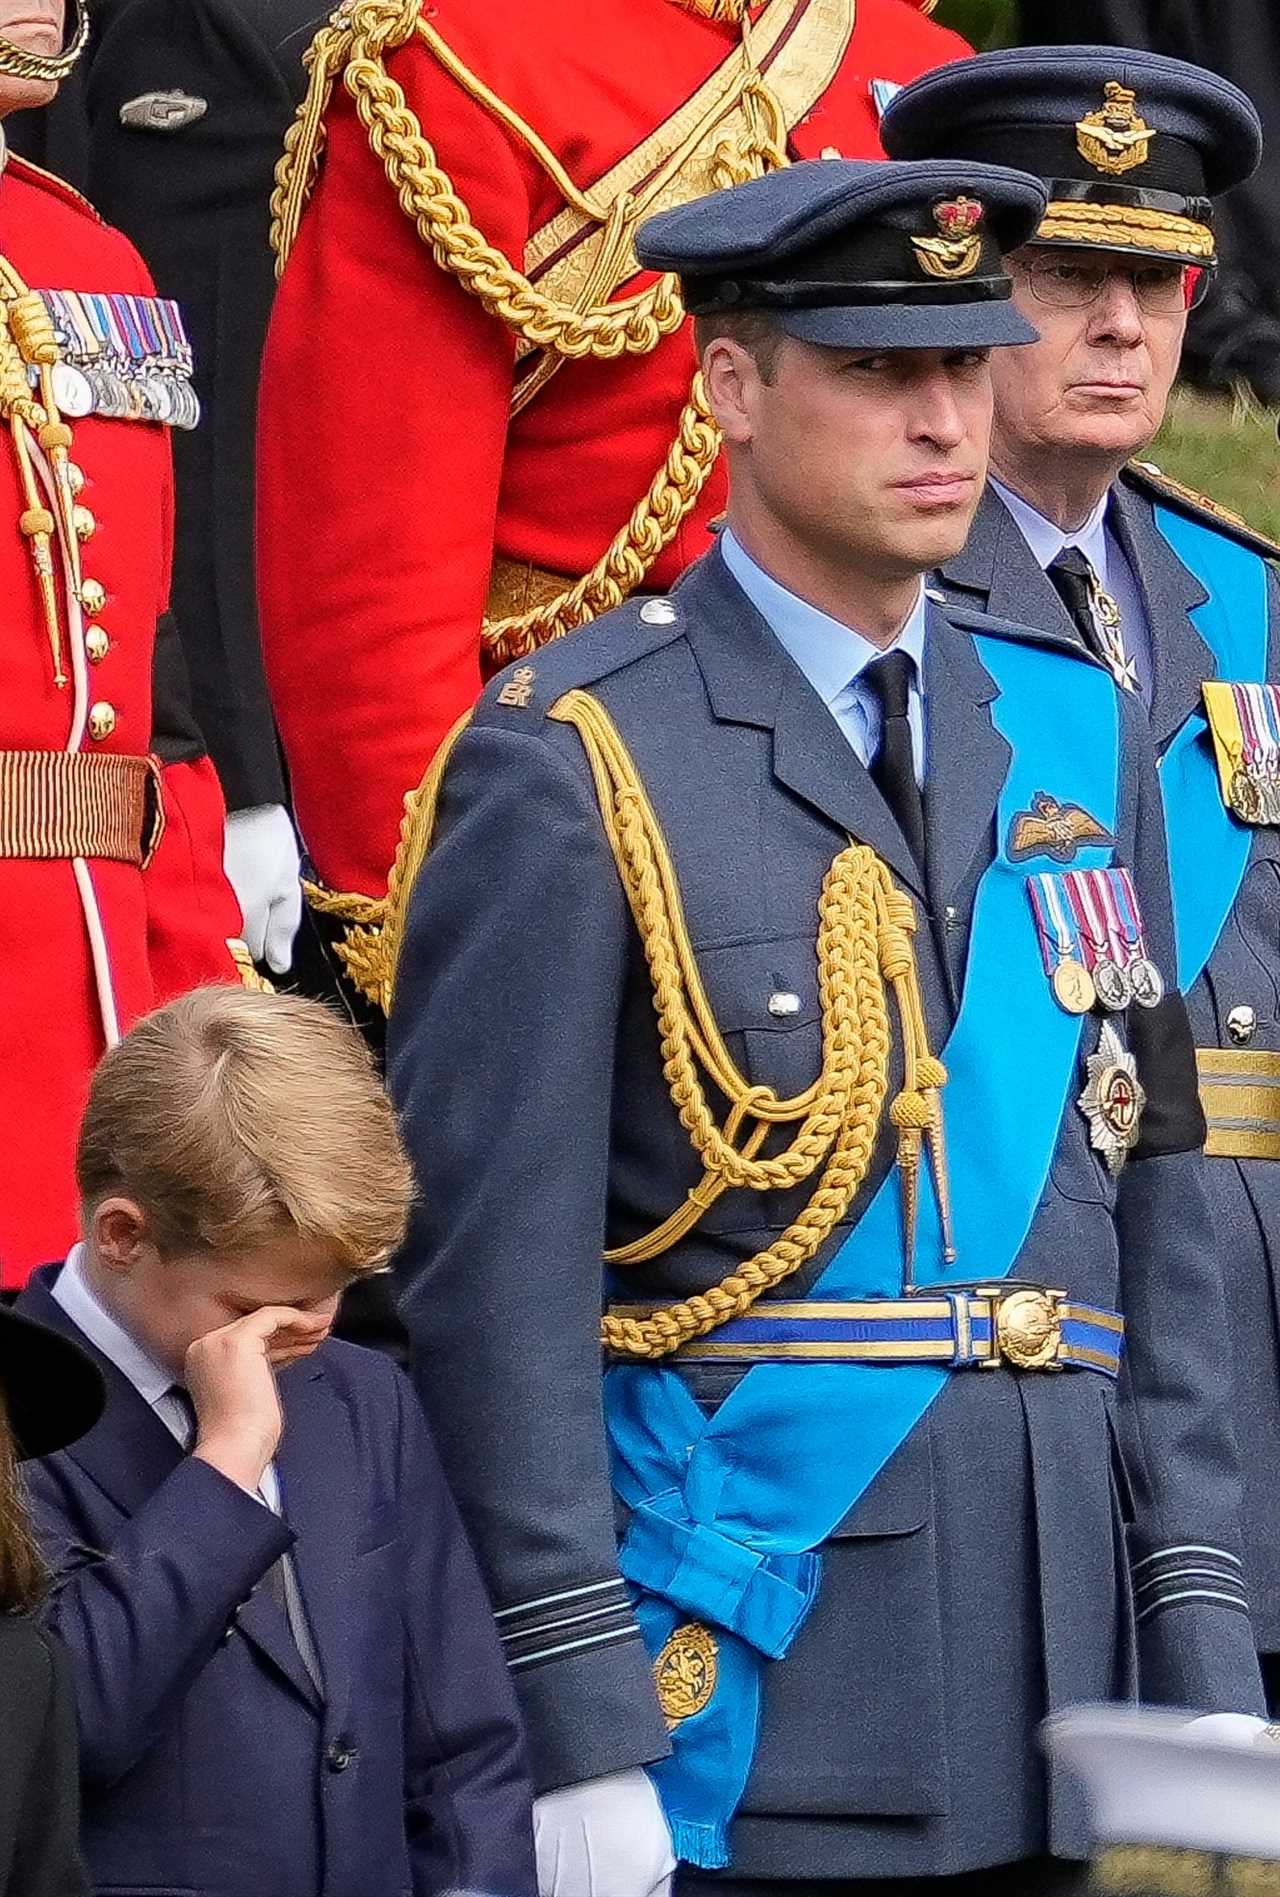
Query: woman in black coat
pixel 50 1393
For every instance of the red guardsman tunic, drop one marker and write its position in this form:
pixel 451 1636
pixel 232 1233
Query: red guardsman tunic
pixel 146 913
pixel 392 473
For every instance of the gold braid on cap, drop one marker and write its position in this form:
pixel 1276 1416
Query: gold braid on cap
pixel 17 63
pixel 354 46
pixel 1125 227
pixel 864 933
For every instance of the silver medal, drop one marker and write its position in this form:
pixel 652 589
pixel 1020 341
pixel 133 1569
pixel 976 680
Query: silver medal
pixel 72 390
pixel 1146 982
pixel 1112 984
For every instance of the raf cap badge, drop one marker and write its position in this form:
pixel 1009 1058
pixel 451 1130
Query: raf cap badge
pixel 1115 139
pixel 957 248
pixel 163 111
pixel 1113 1100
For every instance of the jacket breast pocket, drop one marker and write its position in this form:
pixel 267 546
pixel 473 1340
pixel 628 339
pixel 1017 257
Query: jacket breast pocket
pixel 764 995
pixel 852 1719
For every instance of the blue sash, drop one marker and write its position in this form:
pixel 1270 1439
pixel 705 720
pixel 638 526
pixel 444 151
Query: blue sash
pixel 727 1511
pixel 1208 846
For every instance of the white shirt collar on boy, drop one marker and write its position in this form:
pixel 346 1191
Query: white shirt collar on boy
pixel 154 1384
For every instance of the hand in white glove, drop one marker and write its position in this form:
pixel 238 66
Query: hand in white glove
pixel 1231 1729
pixel 605 1838
pixel 261 862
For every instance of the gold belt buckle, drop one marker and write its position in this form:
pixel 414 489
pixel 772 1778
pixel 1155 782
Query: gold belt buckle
pixel 1026 1326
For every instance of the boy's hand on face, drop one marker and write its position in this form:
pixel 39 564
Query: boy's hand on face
pixel 230 1378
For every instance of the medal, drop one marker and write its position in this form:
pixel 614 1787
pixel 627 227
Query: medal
pixel 71 390
pixel 1146 982
pixel 1244 722
pixel 1070 980
pixel 1112 984
pixel 1112 1100
pixel 1073 987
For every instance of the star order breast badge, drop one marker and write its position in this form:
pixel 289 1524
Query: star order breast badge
pixel 1113 1099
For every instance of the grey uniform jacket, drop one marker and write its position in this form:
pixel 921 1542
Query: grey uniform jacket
pixel 998 573
pixel 985 1576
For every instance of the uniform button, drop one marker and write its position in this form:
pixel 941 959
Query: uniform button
pixel 102 720
pixel 93 596
pixel 1242 1025
pixel 783 1003
pixel 84 523
pixel 658 612
pixel 96 644
pixel 340 1755
pixel 75 478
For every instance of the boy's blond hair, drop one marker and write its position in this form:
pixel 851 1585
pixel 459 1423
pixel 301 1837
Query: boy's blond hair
pixel 233 1118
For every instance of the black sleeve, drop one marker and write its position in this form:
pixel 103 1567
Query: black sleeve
pixel 501 1048
pixel 1195 1640
pixel 46 1858
pixel 195 201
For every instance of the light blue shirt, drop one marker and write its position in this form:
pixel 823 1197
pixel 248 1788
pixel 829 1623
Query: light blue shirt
pixel 1105 555
pixel 833 657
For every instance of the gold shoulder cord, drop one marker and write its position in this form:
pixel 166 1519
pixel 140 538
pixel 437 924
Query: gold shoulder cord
pixel 864 935
pixel 355 45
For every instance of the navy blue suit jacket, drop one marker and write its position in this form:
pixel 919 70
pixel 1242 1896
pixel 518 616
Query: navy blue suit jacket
pixel 211 1764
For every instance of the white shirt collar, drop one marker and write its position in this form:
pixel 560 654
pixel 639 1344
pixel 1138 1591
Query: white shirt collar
pixel 4 151
pixel 1047 540
pixel 71 1289
pixel 831 655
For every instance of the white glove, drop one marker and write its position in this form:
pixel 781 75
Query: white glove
pixel 262 866
pixel 605 1838
pixel 1231 1729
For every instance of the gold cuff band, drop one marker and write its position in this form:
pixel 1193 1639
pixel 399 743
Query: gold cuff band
pixel 1148 1870
pixel 1125 227
pixel 59 804
pixel 1240 1094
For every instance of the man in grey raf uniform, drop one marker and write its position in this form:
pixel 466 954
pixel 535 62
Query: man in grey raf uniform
pixel 722 1003
pixel 1178 599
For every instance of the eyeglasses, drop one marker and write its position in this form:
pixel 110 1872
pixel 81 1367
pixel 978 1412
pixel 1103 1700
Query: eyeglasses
pixel 1069 283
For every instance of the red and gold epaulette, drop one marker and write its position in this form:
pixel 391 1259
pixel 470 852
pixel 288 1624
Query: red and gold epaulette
pixel 1155 482
pixel 50 182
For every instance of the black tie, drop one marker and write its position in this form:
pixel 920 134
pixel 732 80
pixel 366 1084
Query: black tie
pixel 893 769
pixel 1071 575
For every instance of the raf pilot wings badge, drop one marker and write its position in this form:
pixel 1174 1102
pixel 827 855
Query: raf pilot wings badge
pixel 1053 829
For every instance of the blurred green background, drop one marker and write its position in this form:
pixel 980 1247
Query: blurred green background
pixel 1218 446
pixel 983 22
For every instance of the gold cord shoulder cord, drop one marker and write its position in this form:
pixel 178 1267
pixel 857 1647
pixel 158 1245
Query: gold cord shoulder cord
pixel 864 935
pixel 354 45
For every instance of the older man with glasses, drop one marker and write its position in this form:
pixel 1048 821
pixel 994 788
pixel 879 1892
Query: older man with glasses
pixel 1176 597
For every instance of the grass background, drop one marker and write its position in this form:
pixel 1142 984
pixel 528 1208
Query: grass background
pixel 1224 448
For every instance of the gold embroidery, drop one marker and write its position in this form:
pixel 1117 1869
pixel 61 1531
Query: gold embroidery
pixel 685 1673
pixel 1115 140
pixel 957 248
pixel 1125 227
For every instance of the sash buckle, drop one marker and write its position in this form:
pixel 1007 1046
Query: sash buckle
pixel 1024 1326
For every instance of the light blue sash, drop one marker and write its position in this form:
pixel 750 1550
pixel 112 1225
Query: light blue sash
pixel 1208 846
pixel 727 1511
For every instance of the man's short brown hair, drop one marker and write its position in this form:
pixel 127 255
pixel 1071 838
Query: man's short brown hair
pixel 234 1118
pixel 755 331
